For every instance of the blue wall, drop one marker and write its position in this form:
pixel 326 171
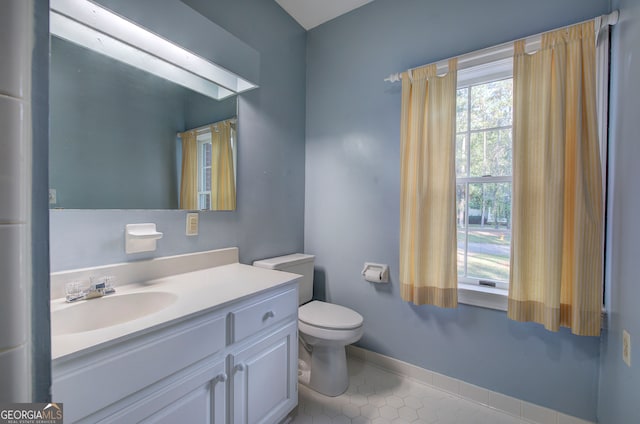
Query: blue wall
pixel 270 216
pixel 352 195
pixel 620 385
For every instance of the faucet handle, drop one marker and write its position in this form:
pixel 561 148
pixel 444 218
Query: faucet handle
pixel 75 290
pixel 103 284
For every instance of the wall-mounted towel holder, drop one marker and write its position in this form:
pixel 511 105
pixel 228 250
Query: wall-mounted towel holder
pixel 141 237
pixel 376 273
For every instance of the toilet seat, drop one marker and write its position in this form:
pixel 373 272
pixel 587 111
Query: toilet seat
pixel 326 336
pixel 329 316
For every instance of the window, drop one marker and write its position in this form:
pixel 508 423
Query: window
pixel 484 164
pixel 483 174
pixel 204 171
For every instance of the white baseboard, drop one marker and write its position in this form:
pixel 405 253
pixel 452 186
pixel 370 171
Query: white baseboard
pixel 507 404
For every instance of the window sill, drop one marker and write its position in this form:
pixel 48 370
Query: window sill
pixel 484 297
pixel 492 298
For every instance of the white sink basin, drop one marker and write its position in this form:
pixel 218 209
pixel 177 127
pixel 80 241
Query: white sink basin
pixel 108 311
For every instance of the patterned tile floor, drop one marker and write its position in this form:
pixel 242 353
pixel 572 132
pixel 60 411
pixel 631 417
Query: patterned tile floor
pixel 377 396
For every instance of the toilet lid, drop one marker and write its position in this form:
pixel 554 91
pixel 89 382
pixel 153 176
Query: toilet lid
pixel 328 315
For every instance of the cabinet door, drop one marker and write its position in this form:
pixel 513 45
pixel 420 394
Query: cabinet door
pixel 196 398
pixel 264 385
pixel 206 404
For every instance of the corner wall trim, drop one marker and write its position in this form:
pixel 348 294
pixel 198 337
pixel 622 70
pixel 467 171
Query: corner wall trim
pixel 503 403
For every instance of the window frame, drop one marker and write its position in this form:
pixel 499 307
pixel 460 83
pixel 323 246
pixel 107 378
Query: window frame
pixel 202 140
pixel 470 290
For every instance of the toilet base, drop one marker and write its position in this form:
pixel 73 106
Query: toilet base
pixel 329 374
pixel 304 372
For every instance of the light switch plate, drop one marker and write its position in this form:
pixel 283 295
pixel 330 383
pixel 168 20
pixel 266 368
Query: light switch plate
pixel 52 196
pixel 192 224
pixel 626 347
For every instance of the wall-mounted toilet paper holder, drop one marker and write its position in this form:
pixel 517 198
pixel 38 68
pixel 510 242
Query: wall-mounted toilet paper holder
pixel 376 273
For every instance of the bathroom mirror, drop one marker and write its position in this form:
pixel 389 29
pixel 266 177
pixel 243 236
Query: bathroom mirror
pixel 114 140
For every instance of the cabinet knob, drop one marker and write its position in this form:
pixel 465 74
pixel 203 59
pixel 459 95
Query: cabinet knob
pixel 268 315
pixel 221 377
pixel 239 367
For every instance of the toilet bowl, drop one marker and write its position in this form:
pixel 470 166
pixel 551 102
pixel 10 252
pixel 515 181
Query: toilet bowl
pixel 324 330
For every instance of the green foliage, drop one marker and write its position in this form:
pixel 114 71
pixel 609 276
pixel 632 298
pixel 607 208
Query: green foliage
pixel 487 143
pixel 491 104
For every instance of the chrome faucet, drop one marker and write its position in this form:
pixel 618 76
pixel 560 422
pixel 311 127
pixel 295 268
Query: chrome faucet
pixel 77 290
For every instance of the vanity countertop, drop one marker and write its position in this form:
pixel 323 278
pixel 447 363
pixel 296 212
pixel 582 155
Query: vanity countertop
pixel 196 292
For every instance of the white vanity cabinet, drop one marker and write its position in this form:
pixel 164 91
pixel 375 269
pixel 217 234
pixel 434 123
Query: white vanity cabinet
pixel 233 364
pixel 264 384
pixel 263 380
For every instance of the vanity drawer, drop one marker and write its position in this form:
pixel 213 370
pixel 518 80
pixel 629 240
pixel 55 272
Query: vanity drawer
pixel 257 316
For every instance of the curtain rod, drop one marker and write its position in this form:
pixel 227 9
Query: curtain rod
pixel 501 51
pixel 206 127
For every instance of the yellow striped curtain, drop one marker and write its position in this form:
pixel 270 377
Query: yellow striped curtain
pixel 189 179
pixel 223 186
pixel 428 269
pixel 556 252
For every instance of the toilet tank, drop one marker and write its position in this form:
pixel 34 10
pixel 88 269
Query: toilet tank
pixel 297 263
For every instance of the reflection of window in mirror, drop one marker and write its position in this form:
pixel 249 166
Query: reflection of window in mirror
pixel 204 171
pixel 209 167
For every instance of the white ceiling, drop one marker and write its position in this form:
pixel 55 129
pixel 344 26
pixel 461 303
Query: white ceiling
pixel 311 13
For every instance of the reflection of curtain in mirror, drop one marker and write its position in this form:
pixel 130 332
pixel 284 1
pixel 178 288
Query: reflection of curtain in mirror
pixel 223 187
pixel 189 184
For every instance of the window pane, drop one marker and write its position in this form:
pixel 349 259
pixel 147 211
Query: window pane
pixel 491 153
pixel 207 154
pixel 489 231
pixel 462 104
pixel 204 201
pixel 461 155
pixel 207 180
pixel 491 104
pixel 461 224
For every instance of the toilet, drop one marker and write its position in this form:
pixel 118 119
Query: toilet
pixel 324 330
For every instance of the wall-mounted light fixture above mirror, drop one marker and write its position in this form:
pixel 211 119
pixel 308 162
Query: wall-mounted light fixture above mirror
pixel 87 24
